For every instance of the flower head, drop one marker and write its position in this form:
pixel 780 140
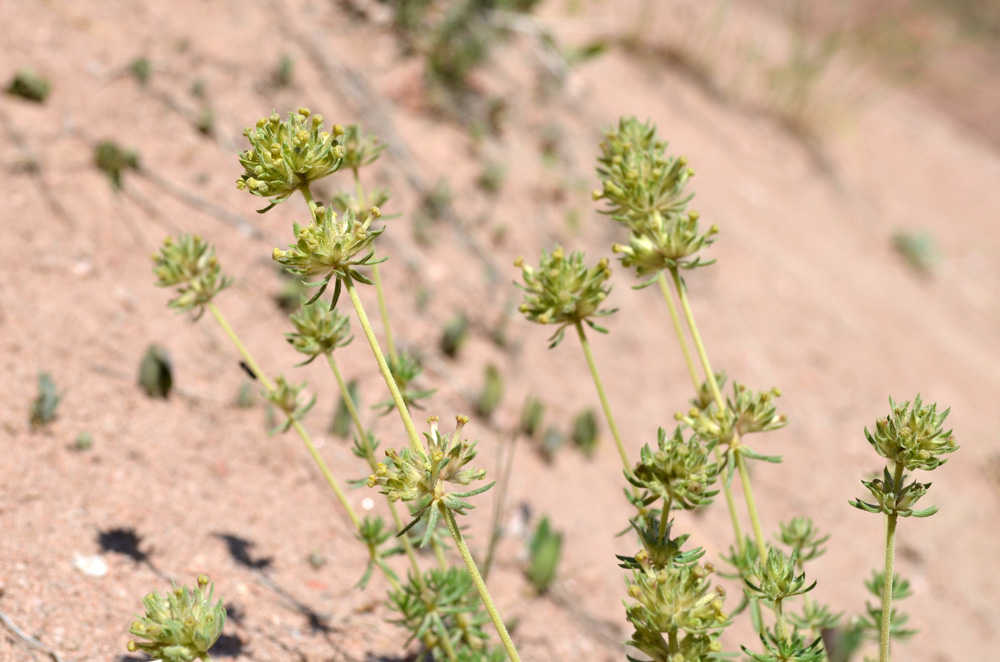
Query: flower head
pixel 678 471
pixel 331 247
pixel 319 329
pixel 286 156
pixel 421 475
pixel 564 291
pixel 190 264
pixel 913 436
pixel 180 626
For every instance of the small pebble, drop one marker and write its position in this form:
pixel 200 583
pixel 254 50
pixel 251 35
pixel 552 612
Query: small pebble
pixel 92 566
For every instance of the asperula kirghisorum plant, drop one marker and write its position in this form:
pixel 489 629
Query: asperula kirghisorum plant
pixel 180 626
pixel 319 329
pixel 564 291
pixel 331 246
pixel 422 474
pixel 189 263
pixel 285 157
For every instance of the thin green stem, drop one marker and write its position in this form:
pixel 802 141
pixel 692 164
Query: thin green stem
pixel 663 517
pixel 602 395
pixel 679 331
pixel 240 347
pixel 445 642
pixel 397 398
pixel 498 505
pixel 370 457
pixel 779 616
pixel 672 644
pixel 269 385
pixel 890 558
pixel 710 376
pixel 383 311
pixel 758 531
pixel 477 579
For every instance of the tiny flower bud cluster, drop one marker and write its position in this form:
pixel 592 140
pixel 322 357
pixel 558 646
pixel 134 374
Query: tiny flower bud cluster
pixel 286 397
pixel 755 412
pixel 678 471
pixel 564 291
pixel 319 329
pixel 913 436
pixel 775 579
pixel 180 626
pixel 360 149
pixel 421 475
pixel 331 246
pixel 190 264
pixel 285 156
pixel 644 189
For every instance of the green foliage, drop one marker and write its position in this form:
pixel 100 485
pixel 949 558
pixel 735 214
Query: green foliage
pixel 142 69
pixel 455 333
pixel 919 249
pixel 84 442
pixel 532 414
pixel 492 392
pixel 544 552
pixel 405 370
pixel 156 375
pixel 43 409
pixel 180 626
pixel 189 264
pixel 244 396
pixel 114 160
pixel 319 329
pixel 29 86
pixel 584 432
pixel 287 398
pixel 284 72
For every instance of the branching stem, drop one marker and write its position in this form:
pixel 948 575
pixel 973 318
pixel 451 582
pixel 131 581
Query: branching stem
pixel 890 557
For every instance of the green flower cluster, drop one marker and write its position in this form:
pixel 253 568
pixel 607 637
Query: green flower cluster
pixel 676 600
pixel 564 291
pixel 645 192
pixel 678 472
pixel 421 475
pixel 913 436
pixel 287 156
pixel 444 603
pixel 319 329
pixel 180 626
pixel 330 247
pixel 286 397
pixel 189 263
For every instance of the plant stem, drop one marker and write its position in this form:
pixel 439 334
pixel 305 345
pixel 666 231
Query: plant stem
pixel 758 531
pixel 663 517
pixel 317 458
pixel 501 498
pixel 779 617
pixel 384 314
pixel 890 557
pixel 675 319
pixel 477 579
pixel 397 398
pixel 681 290
pixel 370 457
pixel 602 395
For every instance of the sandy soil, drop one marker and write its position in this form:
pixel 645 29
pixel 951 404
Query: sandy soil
pixel 807 294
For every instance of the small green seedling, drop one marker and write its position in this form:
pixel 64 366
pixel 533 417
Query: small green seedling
pixel 919 249
pixel 244 396
pixel 156 375
pixel 532 414
pixel 585 431
pixel 491 179
pixel 84 442
pixel 142 69
pixel 114 160
pixel 29 86
pixel 552 441
pixel 456 332
pixel 543 556
pixel 284 73
pixel 43 410
pixel 492 393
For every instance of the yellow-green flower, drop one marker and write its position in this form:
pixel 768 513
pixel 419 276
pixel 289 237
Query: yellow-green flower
pixel 564 291
pixel 180 626
pixel 190 264
pixel 286 156
pixel 330 247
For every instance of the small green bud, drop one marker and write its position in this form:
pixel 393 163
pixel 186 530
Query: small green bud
pixel 180 626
